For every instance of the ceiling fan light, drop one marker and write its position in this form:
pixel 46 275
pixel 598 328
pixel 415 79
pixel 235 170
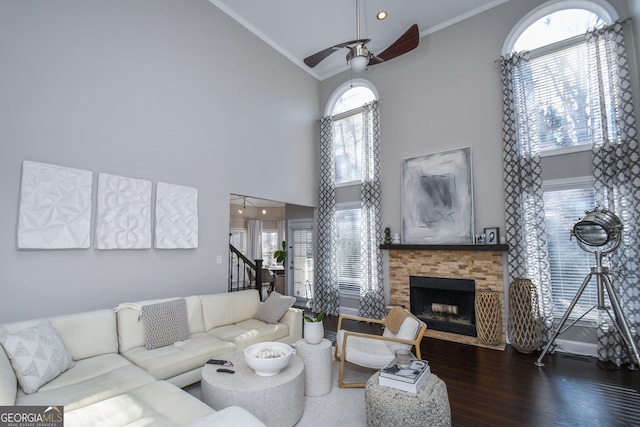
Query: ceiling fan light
pixel 359 63
pixel 358 58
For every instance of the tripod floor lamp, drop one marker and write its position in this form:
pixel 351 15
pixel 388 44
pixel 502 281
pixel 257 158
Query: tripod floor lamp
pixel 599 232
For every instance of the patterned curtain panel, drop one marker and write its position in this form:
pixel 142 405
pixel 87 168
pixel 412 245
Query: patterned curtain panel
pixel 326 295
pixel 616 170
pixel 371 286
pixel 525 226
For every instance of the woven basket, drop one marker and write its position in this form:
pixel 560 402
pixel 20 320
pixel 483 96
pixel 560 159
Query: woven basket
pixel 525 325
pixel 488 317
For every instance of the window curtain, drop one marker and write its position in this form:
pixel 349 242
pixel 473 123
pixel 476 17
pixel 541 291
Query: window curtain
pixel 616 170
pixel 371 287
pixel 525 225
pixel 326 292
pixel 254 239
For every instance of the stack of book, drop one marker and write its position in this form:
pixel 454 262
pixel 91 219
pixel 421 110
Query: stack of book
pixel 408 379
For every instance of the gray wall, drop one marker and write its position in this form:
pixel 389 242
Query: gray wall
pixel 164 90
pixel 447 94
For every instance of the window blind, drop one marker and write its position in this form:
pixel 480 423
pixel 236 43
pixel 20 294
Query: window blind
pixel 569 264
pixel 560 93
pixel 348 242
pixel 348 133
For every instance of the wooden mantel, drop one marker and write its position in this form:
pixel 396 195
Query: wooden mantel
pixel 500 248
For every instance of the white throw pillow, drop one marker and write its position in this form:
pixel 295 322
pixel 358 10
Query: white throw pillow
pixel 165 323
pixel 272 310
pixel 37 354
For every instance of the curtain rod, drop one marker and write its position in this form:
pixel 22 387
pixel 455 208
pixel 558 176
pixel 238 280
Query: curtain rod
pixel 553 46
pixel 351 112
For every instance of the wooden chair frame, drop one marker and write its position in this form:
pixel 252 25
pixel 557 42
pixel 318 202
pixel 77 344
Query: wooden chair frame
pixel 415 343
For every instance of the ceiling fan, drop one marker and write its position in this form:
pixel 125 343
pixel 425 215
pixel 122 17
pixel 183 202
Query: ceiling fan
pixel 359 57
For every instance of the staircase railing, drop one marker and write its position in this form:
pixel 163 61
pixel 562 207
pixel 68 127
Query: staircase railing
pixel 241 269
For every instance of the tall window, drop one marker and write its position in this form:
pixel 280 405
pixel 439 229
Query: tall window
pixel 348 234
pixel 558 112
pixel 348 125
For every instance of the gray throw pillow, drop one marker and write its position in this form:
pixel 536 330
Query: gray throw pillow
pixel 272 310
pixel 37 354
pixel 165 323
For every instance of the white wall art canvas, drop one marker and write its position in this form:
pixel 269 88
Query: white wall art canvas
pixel 176 217
pixel 437 198
pixel 55 207
pixel 124 213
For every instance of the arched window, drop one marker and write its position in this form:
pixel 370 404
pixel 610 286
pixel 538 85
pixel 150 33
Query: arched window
pixel 345 107
pixel 555 115
pixel 351 138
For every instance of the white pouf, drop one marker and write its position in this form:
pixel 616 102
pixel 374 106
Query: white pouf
pixel 318 378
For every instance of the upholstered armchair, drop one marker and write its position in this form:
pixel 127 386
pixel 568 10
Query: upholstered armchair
pixel 401 330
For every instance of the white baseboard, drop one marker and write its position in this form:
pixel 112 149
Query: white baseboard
pixel 576 347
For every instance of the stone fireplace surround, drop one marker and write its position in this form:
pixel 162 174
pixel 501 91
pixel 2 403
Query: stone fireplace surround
pixel 484 264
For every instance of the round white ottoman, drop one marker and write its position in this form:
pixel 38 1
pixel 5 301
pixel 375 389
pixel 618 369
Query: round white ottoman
pixel 318 378
pixel 276 401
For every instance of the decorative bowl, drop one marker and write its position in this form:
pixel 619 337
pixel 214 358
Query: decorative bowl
pixel 268 358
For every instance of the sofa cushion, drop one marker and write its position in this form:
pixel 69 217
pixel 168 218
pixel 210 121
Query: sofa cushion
pixel 155 404
pixel 272 310
pixel 165 323
pixel 37 355
pixel 86 334
pixel 229 416
pixel 228 308
pixel 89 381
pixel 167 362
pixel 131 333
pixel 251 331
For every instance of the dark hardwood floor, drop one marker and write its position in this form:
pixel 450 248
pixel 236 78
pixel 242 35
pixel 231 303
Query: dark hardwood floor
pixel 505 388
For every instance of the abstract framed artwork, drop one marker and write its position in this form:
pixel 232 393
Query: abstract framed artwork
pixel 176 217
pixel 124 213
pixel 437 198
pixel 55 207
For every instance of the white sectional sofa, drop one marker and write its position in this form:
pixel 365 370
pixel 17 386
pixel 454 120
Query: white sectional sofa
pixel 115 380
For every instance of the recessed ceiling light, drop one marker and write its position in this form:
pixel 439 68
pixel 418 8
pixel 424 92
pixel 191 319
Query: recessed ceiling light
pixel 381 15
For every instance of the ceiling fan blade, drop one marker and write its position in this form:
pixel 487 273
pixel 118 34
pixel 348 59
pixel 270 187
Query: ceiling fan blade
pixel 407 42
pixel 318 57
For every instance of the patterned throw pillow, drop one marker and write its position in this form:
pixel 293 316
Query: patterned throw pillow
pixel 272 310
pixel 37 355
pixel 165 323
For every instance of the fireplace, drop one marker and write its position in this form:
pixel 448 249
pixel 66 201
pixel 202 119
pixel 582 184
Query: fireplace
pixel 444 304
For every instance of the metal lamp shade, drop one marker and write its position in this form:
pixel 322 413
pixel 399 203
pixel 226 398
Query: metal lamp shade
pixel 597 228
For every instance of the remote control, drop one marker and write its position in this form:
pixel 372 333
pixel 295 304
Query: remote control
pixel 216 362
pixel 226 371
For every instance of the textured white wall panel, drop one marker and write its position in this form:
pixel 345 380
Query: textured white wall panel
pixel 124 213
pixel 55 207
pixel 176 216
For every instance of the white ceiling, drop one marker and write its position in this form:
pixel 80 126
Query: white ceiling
pixel 300 28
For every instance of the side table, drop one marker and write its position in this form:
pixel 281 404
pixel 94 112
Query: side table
pixel 318 378
pixel 277 401
pixel 387 406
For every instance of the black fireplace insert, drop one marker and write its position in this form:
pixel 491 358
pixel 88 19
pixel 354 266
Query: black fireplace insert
pixel 444 304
